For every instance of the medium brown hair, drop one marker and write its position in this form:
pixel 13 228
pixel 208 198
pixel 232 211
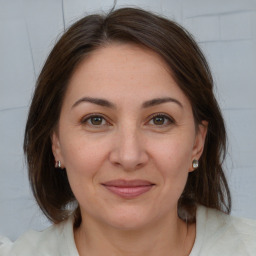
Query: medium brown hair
pixel 207 185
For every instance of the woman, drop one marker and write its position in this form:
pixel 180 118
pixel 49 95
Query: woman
pixel 125 143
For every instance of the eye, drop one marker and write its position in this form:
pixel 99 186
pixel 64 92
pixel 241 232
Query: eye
pixel 161 120
pixel 94 120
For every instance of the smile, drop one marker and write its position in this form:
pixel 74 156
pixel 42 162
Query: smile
pixel 128 189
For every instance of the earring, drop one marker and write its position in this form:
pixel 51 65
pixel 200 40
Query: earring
pixel 195 163
pixel 58 164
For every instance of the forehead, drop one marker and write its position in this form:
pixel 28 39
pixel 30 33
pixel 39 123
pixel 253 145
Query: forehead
pixel 129 59
pixel 126 70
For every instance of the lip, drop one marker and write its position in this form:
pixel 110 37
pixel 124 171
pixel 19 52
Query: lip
pixel 128 188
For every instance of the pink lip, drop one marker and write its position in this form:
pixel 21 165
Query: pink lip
pixel 128 189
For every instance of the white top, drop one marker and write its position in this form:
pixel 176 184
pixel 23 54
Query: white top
pixel 217 234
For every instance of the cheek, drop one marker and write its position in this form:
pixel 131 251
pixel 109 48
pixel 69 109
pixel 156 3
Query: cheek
pixel 173 154
pixel 173 161
pixel 83 158
pixel 83 162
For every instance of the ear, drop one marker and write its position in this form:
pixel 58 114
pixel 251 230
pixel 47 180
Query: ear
pixel 199 142
pixel 56 149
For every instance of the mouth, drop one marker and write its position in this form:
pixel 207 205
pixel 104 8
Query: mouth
pixel 128 188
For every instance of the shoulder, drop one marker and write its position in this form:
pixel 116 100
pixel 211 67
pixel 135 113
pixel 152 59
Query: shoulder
pixel 219 233
pixel 56 240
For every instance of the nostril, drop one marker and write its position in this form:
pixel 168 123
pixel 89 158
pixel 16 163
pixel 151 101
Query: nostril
pixel 129 153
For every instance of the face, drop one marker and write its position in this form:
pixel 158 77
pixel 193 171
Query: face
pixel 126 137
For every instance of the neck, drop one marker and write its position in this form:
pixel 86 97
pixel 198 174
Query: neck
pixel 166 237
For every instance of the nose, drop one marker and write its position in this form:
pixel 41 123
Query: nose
pixel 129 151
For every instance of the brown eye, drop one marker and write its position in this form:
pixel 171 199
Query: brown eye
pixel 96 120
pixel 160 120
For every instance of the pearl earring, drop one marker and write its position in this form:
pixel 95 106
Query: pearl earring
pixel 195 163
pixel 58 164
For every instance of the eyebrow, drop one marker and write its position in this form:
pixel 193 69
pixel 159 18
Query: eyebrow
pixel 97 101
pixel 146 104
pixel 157 101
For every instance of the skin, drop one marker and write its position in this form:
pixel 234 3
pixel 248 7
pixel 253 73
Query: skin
pixel 126 141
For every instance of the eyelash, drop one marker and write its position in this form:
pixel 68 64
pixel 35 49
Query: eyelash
pixel 85 120
pixel 162 115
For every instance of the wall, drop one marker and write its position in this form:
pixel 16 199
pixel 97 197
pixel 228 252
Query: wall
pixel 225 30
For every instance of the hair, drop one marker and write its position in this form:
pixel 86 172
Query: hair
pixel 206 186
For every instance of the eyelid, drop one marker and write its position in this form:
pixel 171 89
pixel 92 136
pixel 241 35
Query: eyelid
pixel 85 118
pixel 170 119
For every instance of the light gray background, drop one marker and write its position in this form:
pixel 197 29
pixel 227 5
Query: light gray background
pixel 225 30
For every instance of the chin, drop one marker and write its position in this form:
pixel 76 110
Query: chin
pixel 128 220
pixel 128 224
